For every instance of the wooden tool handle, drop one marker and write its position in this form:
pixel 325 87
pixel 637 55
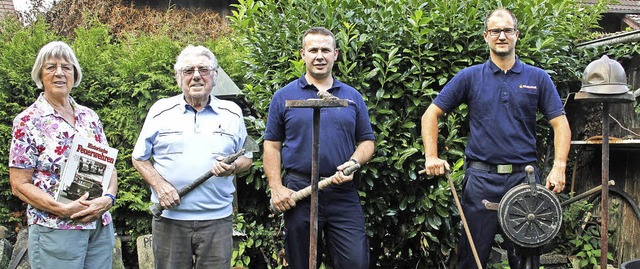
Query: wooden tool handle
pixel 306 192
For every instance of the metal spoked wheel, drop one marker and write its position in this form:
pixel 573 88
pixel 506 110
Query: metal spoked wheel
pixel 530 217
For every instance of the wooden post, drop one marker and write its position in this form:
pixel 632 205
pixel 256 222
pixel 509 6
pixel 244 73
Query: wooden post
pixel 605 186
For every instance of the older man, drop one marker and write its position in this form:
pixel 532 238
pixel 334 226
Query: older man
pixel 188 135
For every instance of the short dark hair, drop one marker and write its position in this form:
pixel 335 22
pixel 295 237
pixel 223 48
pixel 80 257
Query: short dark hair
pixel 319 31
pixel 515 21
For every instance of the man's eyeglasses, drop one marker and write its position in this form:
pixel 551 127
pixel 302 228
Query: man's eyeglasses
pixel 496 32
pixel 203 70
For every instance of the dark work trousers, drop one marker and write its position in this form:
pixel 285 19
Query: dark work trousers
pixel 483 223
pixel 340 222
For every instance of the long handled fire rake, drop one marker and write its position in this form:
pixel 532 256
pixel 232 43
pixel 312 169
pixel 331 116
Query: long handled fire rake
pixel 464 219
pixel 316 104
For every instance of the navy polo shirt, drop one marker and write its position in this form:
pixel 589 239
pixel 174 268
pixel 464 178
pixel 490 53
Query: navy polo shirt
pixel 502 109
pixel 341 128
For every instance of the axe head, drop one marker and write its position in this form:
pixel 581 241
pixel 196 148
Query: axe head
pixel 250 145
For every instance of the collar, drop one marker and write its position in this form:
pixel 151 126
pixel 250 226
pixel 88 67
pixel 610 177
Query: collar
pixel 516 68
pixel 303 84
pixel 47 109
pixel 212 104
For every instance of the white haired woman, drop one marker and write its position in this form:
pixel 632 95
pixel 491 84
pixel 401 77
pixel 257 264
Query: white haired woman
pixel 78 234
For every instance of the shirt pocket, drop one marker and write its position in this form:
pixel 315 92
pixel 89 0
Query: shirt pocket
pixel 526 105
pixel 169 142
pixel 223 143
pixel 345 118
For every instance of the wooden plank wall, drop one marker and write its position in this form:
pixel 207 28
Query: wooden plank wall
pixel 624 169
pixel 5 7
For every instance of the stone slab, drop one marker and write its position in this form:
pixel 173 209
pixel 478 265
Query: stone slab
pixel 5 253
pixel 144 246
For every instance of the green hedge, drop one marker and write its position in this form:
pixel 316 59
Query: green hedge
pixel 398 53
pixel 122 79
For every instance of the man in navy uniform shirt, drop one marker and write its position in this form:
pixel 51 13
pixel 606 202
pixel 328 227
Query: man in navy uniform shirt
pixel 503 96
pixel 346 138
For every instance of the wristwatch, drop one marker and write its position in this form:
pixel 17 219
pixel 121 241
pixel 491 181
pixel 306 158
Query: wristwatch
pixel 113 198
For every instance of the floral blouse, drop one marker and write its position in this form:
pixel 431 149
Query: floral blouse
pixel 40 141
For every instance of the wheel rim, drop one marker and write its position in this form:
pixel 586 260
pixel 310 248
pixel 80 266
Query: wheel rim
pixel 530 219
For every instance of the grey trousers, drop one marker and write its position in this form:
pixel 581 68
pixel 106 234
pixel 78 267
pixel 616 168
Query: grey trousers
pixel 199 244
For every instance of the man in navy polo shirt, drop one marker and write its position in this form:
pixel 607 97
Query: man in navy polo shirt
pixel 346 138
pixel 503 96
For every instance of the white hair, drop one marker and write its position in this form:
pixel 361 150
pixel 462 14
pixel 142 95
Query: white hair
pixel 56 50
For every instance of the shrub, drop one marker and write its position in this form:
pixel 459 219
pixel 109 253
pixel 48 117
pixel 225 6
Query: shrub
pixel 123 76
pixel 399 54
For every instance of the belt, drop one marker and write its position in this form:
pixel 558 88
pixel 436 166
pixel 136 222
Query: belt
pixel 497 168
pixel 299 175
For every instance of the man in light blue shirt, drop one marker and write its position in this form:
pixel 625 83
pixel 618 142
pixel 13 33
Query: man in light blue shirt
pixel 184 137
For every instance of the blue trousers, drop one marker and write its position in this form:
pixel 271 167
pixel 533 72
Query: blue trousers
pixel 340 226
pixel 483 223
pixel 71 249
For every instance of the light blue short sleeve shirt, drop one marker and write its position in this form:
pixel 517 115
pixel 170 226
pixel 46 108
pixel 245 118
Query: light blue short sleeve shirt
pixel 183 144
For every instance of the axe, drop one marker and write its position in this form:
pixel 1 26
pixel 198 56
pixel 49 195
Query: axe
pixel 249 146
pixel 304 193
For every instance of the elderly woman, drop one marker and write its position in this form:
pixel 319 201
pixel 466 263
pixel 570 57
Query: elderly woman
pixel 78 234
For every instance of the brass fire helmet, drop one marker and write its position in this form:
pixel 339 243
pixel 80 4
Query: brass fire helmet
pixel 604 80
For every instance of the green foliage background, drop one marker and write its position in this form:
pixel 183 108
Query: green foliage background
pixel 122 79
pixel 398 53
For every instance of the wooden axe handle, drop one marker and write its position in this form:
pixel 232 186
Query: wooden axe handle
pixel 156 209
pixel 306 192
